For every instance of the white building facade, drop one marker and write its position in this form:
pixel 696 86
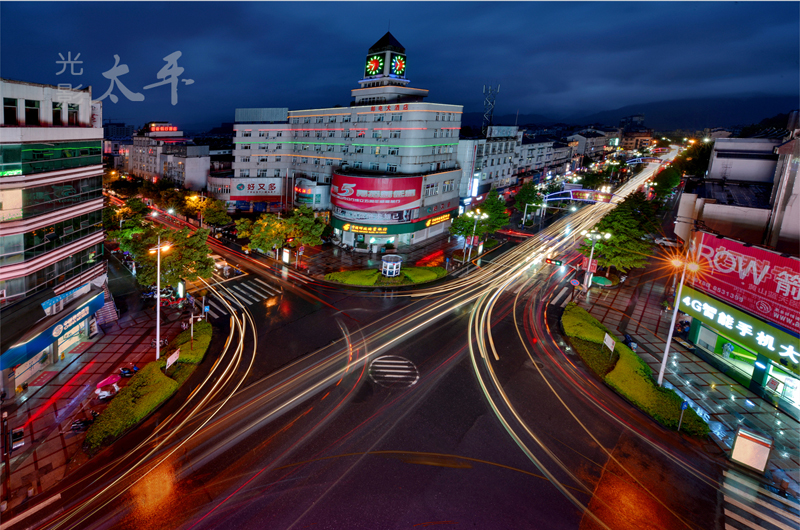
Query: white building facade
pixel 161 152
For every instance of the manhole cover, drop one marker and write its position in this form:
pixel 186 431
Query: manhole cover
pixel 392 371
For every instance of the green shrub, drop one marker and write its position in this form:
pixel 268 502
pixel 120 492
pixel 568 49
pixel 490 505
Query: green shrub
pixel 358 277
pixel 423 274
pixel 189 354
pixel 626 372
pixel 148 389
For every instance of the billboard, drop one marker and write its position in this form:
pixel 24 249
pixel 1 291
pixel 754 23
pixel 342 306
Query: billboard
pixel 375 193
pixel 255 189
pixel 501 132
pixel 761 282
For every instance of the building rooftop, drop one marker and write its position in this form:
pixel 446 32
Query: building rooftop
pixel 750 195
pixel 387 42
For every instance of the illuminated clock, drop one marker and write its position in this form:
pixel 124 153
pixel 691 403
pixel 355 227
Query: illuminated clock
pixel 398 64
pixel 374 65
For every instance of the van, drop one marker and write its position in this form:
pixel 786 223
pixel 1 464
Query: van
pixel 219 261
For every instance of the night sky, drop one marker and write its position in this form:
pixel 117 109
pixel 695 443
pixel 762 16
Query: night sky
pixel 557 59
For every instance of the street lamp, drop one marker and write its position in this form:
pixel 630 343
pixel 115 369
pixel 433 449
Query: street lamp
pixel 693 268
pixel 477 215
pixel 594 235
pixel 158 250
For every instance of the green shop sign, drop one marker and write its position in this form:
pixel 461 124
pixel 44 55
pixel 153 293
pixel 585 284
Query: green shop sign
pixel 744 329
pixel 406 228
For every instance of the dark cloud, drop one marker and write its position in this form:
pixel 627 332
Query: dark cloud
pixel 556 58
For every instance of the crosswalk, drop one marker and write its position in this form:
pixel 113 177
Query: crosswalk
pixel 750 505
pixel 239 295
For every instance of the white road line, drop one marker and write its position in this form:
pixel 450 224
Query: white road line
pixel 260 292
pixel 762 516
pixel 232 299
pixel 213 314
pixel 755 486
pixel 265 284
pixel 24 515
pixel 215 306
pixel 559 295
pixel 244 295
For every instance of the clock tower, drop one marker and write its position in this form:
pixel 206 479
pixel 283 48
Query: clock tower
pixel 384 78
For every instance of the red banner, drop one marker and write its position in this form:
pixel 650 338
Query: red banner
pixel 375 193
pixel 585 263
pixel 759 281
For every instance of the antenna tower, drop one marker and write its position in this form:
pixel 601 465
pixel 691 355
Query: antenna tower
pixel 489 96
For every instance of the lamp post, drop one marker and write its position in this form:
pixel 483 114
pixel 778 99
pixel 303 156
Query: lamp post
pixel 693 267
pixel 477 215
pixel 594 235
pixel 158 251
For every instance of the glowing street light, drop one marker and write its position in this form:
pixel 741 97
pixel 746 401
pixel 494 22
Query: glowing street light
pixel 477 215
pixel 692 268
pixel 594 235
pixel 158 250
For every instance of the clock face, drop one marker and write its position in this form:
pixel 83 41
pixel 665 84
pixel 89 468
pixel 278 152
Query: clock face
pixel 374 65
pixel 398 64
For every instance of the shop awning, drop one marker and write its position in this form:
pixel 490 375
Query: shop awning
pixel 47 330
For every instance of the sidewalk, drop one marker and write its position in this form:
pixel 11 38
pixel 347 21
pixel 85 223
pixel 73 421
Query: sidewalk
pixel 65 392
pixel 635 309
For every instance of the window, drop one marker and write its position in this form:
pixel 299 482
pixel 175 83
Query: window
pixel 437 116
pixel 306 134
pixel 318 134
pixel 329 148
pixel 31 112
pixel 244 173
pixel 375 150
pixel 436 133
pixel 295 120
pixel 357 164
pixel 244 159
pixel 391 168
pixel 278 146
pixel 304 160
pixel 305 147
pixel 317 148
pixel 359 148
pixel 433 167
pixel 246 134
pixel 361 118
pixel 344 149
pixel 10 111
pixel 277 173
pixel 395 134
pixel 262 134
pixel 376 134
pixel 294 160
pixel 345 119
pixel 278 134
pixel 262 173
pixel 346 134
pixel 57 121
pixel 448 185
pixel 306 120
pixel 379 117
pixel 374 166
pixel 319 119
pixel 431 189
pixel 394 151
pixel 245 146
pixel 397 117
pixel 277 158
pixel 331 134
pixel 361 134
pixel 332 119
pixel 316 161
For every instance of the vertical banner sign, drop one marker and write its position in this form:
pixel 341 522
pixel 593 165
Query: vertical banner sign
pixel 759 281
pixel 172 359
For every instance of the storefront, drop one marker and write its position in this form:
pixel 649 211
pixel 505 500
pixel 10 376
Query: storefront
pixel 49 341
pixel 352 233
pixel 760 356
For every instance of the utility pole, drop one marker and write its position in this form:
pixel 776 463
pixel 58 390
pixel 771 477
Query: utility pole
pixel 6 460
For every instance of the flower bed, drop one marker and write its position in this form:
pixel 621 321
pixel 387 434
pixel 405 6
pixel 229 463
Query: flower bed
pixel 626 372
pixel 373 277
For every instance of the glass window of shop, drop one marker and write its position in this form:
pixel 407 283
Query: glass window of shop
pixel 53 275
pixel 37 242
pixel 44 199
pixel 36 158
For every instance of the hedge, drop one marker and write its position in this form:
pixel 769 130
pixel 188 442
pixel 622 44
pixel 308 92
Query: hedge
pixel 145 392
pixel 626 372
pixel 149 388
pixel 373 277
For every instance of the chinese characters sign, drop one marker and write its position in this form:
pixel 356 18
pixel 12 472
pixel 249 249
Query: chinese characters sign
pixel 438 219
pixel 362 229
pixel 255 189
pixel 756 280
pixel 742 328
pixel 365 193
pixel 586 195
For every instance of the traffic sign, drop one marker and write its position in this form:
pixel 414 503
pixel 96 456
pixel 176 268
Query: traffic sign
pixel 684 405
pixel 302 249
pixel 575 282
pixel 206 309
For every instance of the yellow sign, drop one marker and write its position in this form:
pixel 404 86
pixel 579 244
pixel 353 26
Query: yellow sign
pixel 436 220
pixel 360 229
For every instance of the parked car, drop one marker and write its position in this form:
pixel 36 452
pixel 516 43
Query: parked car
pixel 666 242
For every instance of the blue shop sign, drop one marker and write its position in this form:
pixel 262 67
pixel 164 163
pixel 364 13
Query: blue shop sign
pixel 22 351
pixel 60 297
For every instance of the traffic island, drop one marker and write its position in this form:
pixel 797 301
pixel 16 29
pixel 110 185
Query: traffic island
pixel 626 373
pixel 151 387
pixel 374 278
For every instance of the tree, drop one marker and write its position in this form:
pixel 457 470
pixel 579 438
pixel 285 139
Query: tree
pixel 495 207
pixel 694 160
pixel 527 194
pixel 215 212
pixel 304 227
pixel 666 181
pixel 173 199
pixel 267 232
pixel 186 258
pixel 626 248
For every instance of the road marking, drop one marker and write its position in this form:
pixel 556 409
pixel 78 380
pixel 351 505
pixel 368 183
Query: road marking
pixel 265 284
pixel 232 299
pixel 213 314
pixel 215 306
pixel 558 296
pixel 242 295
pixel 760 511
pixel 259 291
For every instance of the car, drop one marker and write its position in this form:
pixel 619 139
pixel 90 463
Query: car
pixel 219 261
pixel 666 242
